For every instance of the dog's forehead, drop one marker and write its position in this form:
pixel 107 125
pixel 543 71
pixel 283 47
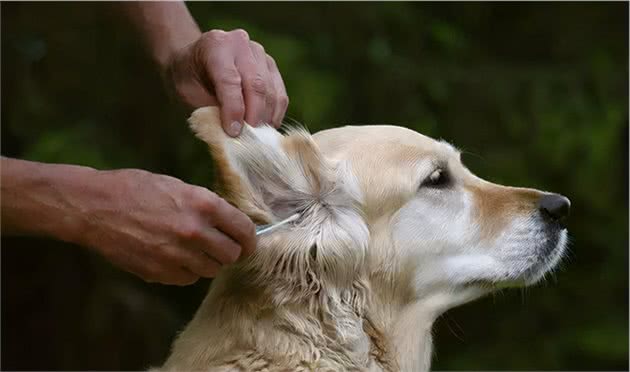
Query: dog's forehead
pixel 382 141
pixel 387 161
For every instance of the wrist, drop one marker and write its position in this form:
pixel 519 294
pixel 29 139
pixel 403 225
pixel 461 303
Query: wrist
pixel 165 27
pixel 76 192
pixel 164 54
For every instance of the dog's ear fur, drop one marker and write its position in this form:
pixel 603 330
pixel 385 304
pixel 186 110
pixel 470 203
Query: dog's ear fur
pixel 270 176
pixel 265 174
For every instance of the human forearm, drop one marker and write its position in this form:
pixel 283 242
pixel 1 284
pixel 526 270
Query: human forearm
pixel 37 198
pixel 165 27
pixel 153 225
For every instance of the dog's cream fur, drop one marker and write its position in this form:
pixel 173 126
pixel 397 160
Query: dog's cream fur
pixel 383 246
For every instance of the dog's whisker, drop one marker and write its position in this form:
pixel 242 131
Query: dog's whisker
pixel 447 320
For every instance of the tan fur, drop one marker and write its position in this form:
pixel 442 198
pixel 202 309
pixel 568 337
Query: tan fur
pixel 207 127
pixel 333 292
pixel 496 204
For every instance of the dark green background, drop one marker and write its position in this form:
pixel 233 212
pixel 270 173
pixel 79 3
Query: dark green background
pixel 536 95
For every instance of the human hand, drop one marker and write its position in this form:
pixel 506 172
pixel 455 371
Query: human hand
pixel 162 229
pixel 229 69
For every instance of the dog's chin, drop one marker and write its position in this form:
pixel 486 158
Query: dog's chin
pixel 550 254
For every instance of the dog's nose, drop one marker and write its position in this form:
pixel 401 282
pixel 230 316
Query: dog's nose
pixel 555 206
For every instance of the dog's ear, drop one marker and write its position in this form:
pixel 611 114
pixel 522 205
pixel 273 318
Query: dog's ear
pixel 265 174
pixel 270 176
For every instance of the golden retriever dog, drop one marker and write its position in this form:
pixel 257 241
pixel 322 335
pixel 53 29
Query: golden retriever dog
pixel 393 230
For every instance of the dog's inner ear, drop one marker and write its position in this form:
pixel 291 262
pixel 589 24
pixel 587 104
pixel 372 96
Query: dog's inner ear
pixel 267 175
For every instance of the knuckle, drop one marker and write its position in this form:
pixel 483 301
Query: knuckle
pixel 233 105
pixel 246 235
pixel 229 77
pixel 211 204
pixel 201 198
pixel 196 192
pixel 272 98
pixel 236 109
pixel 283 100
pixel 241 34
pixel 271 61
pixel 258 85
pixel 190 231
pixel 215 36
pixel 257 47
pixel 244 226
pixel 233 252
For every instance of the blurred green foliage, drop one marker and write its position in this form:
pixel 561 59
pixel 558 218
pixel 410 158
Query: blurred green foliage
pixel 535 94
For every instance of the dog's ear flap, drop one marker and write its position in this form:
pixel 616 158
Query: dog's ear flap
pixel 270 177
pixel 261 172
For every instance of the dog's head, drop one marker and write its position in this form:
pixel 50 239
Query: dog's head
pixel 385 203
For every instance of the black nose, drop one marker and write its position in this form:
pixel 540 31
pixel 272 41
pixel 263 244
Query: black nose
pixel 555 206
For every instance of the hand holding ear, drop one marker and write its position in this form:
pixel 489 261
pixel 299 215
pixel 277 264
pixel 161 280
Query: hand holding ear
pixel 163 229
pixel 229 70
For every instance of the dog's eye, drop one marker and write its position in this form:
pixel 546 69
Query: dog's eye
pixel 439 178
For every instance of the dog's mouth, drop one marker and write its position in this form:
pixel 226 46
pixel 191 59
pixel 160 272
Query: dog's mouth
pixel 550 253
pixel 524 271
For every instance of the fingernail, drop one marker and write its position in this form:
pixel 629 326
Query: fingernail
pixel 235 129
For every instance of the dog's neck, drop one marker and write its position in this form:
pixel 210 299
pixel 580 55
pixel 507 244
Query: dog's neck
pixel 387 337
pixel 240 318
pixel 405 305
pixel 407 325
pixel 362 325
